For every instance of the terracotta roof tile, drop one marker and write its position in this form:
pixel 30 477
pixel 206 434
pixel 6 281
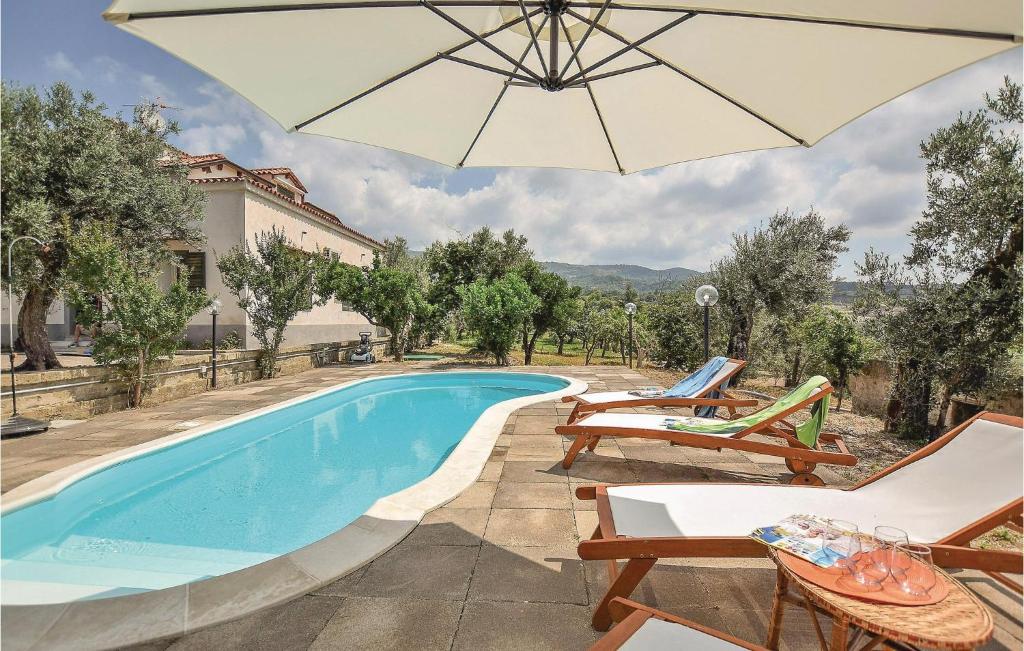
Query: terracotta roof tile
pixel 251 177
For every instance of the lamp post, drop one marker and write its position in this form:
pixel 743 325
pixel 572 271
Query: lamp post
pixel 214 311
pixel 16 426
pixel 706 296
pixel 630 311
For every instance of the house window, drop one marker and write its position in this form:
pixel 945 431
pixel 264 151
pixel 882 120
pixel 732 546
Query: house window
pixel 346 307
pixel 192 267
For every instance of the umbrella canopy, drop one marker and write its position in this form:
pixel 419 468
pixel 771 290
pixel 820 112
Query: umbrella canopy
pixel 619 85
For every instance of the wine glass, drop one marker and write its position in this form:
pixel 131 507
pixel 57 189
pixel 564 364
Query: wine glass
pixel 837 545
pixel 913 569
pixel 887 538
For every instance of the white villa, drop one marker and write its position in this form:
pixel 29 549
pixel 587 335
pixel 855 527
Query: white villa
pixel 241 203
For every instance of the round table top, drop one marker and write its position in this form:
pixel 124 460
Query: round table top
pixel 960 621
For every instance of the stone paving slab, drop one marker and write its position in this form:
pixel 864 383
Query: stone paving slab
pixel 496 568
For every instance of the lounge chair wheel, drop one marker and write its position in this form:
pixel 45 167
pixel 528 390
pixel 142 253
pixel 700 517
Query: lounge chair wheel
pixel 796 466
pixel 806 479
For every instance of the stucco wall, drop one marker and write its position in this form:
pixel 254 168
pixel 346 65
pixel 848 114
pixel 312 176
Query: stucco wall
pixel 263 212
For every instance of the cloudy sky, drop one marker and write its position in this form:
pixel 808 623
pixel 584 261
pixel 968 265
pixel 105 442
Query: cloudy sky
pixel 867 175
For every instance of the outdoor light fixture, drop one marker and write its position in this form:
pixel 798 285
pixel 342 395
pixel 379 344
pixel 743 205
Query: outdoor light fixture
pixel 15 425
pixel 630 311
pixel 706 296
pixel 214 309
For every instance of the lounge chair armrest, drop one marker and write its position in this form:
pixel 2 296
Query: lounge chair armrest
pixel 569 399
pixel 621 608
pixel 968 558
pixel 586 492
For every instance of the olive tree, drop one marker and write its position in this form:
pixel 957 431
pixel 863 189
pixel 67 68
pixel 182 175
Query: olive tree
pixel 273 284
pixel 136 321
pixel 495 311
pixel 66 165
pixel 779 269
pixel 389 293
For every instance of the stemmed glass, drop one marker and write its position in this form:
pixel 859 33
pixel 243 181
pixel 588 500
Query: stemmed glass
pixel 887 538
pixel 913 569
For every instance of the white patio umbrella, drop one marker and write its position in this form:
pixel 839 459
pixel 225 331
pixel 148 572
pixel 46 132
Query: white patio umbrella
pixel 621 85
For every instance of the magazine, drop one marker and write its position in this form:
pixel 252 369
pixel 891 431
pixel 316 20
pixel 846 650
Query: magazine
pixel 804 536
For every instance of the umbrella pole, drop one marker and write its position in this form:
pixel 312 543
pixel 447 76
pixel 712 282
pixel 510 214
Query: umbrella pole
pixel 555 9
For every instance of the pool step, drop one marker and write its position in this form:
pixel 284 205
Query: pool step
pixel 88 568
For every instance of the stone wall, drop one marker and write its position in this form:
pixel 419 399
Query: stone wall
pixel 870 391
pixel 85 391
pixel 870 388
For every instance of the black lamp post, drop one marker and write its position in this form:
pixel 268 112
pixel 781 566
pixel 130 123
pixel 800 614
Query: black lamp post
pixel 214 311
pixel 706 296
pixel 630 311
pixel 16 425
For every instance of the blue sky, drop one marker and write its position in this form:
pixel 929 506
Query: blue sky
pixel 867 175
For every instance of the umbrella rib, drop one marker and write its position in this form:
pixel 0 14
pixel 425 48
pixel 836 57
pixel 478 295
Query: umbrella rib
pixel 409 71
pixel 586 80
pixel 484 66
pixel 533 36
pixel 630 46
pixel 479 39
pixel 695 80
pixel 494 106
pixel 586 35
pixel 593 101
pixel 833 22
pixel 309 6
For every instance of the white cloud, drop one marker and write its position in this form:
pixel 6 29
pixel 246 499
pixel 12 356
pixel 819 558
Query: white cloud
pixel 61 65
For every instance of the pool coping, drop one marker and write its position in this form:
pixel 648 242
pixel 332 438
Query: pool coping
pixel 171 612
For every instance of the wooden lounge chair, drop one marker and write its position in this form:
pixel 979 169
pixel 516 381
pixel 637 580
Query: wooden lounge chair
pixel 712 393
pixel 946 494
pixel 642 628
pixel 803 445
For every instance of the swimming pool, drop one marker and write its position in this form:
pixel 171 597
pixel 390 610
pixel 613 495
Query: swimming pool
pixel 245 492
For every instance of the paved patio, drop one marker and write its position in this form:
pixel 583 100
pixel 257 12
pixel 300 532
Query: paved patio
pixel 497 567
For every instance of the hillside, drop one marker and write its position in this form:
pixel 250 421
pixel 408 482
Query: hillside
pixel 613 277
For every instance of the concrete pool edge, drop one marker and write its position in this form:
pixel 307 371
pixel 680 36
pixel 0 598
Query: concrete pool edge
pixel 174 611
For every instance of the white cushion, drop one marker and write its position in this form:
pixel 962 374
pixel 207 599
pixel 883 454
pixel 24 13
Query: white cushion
pixel 615 396
pixel 659 635
pixel 976 473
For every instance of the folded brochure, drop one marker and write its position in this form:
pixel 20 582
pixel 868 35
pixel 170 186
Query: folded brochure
pixel 808 537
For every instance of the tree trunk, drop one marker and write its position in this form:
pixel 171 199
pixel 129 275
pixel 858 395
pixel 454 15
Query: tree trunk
pixel 589 350
pixel 840 389
pixel 561 345
pixel 944 400
pixel 622 351
pixel 397 349
pixel 526 338
pixel 793 378
pixel 530 346
pixel 136 388
pixel 604 348
pixel 39 354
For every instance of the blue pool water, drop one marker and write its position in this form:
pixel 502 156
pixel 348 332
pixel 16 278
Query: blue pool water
pixel 247 492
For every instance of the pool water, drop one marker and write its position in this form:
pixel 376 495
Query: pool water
pixel 247 492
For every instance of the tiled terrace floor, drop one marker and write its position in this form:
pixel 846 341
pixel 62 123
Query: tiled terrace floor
pixel 497 567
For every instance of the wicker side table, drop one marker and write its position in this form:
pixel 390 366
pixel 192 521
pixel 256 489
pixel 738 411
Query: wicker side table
pixel 960 621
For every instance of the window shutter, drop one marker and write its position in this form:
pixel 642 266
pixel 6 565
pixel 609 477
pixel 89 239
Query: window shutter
pixel 195 268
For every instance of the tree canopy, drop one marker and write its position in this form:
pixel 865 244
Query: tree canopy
pixel 67 164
